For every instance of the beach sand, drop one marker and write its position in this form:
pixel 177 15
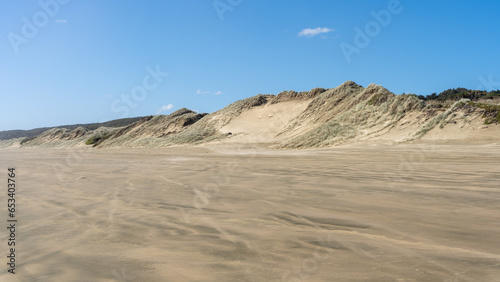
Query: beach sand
pixel 411 212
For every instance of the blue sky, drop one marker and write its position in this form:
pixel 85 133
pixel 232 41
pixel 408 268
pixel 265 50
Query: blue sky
pixel 66 62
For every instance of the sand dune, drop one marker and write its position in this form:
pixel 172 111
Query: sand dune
pixel 321 117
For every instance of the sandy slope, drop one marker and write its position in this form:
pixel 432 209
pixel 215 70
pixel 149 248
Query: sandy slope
pixel 350 213
pixel 263 124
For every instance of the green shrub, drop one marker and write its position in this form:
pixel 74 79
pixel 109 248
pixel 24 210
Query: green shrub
pixel 97 139
pixel 491 112
pixel 27 139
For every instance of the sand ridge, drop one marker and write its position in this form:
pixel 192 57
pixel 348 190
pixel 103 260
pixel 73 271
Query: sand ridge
pixel 321 117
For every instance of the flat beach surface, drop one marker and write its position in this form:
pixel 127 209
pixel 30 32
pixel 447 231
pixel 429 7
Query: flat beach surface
pixel 351 213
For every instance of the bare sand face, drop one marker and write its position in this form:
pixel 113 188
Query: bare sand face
pixel 353 213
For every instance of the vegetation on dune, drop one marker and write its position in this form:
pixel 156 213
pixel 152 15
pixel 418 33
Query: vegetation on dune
pixel 329 133
pixel 97 139
pixel 467 99
pixel 191 136
pixel 439 119
pixel 378 99
pixel 181 112
pixel 461 93
pixel 10 134
pixel 247 103
pixel 491 112
pixel 294 95
pixel 191 118
pixel 27 139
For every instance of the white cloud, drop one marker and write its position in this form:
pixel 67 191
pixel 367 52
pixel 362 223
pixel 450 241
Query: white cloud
pixel 199 91
pixel 310 32
pixel 203 92
pixel 165 108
